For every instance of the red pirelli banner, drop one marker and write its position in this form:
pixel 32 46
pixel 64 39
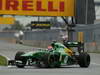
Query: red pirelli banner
pixel 38 7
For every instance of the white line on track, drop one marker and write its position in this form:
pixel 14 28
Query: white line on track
pixel 95 64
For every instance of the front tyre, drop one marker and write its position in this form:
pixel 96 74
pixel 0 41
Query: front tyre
pixel 19 60
pixel 84 60
pixel 20 65
pixel 18 55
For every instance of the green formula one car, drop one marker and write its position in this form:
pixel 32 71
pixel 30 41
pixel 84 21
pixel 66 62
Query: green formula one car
pixel 56 55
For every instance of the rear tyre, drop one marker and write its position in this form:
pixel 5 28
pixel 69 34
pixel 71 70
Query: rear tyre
pixel 84 60
pixel 20 61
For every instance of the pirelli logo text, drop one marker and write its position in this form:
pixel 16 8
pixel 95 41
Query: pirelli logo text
pixel 38 7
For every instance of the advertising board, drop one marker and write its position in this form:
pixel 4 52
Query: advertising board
pixel 37 7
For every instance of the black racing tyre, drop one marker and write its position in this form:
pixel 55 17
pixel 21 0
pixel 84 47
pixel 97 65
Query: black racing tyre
pixel 18 57
pixel 20 65
pixel 84 60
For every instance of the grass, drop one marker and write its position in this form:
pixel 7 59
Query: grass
pixel 3 61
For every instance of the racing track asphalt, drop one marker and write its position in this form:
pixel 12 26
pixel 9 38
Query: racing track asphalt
pixel 10 49
pixel 94 69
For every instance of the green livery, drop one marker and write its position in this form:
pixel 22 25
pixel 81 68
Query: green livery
pixel 56 56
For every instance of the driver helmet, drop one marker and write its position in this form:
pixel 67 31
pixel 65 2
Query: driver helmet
pixel 50 47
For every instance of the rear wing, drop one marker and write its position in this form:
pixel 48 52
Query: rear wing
pixel 79 45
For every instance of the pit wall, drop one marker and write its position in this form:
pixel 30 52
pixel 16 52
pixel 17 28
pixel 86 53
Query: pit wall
pixel 90 47
pixel 43 38
pixel 37 38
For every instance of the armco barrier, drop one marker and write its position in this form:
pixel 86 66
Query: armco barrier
pixel 43 38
